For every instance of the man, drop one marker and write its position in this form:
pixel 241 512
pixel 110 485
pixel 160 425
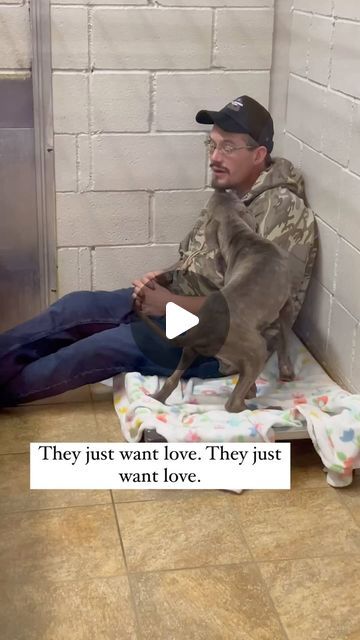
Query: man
pixel 88 336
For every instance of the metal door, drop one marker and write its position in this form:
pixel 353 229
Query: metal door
pixel 27 190
pixel 19 248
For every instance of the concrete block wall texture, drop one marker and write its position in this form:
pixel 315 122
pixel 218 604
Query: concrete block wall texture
pixel 130 163
pixel 15 39
pixel 322 137
pixel 131 170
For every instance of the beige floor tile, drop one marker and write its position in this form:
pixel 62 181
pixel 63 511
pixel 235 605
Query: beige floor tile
pixel 100 391
pixel 350 496
pixel 316 598
pixel 15 494
pixel 95 609
pixel 306 466
pixel 108 424
pixel 297 524
pixel 51 423
pixel 141 495
pixel 181 533
pixel 217 603
pixel 61 544
pixel 308 477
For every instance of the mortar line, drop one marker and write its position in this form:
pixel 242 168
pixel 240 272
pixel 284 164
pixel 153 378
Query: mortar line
pixel 167 70
pixel 288 72
pixel 90 109
pixel 353 350
pixel 77 163
pixel 152 101
pixel 151 216
pixel 327 15
pixel 142 190
pixel 213 49
pixel 92 267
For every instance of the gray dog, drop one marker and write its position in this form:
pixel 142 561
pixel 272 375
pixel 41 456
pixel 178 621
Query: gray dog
pixel 256 293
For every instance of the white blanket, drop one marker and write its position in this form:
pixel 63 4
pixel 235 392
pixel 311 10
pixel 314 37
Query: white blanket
pixel 195 411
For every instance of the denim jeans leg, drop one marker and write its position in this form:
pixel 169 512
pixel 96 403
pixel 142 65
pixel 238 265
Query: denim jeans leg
pixel 70 319
pixel 94 358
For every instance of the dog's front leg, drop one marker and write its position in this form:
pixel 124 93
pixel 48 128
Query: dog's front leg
pixel 249 369
pixel 286 369
pixel 187 358
pixel 252 392
pixel 236 402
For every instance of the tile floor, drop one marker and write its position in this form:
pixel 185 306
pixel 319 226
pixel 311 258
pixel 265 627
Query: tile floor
pixel 169 565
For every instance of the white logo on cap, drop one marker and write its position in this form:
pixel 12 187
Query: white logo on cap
pixel 235 104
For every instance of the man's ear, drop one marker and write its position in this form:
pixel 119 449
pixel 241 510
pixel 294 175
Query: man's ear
pixel 260 154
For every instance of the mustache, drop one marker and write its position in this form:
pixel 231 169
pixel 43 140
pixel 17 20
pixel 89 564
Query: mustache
pixel 213 165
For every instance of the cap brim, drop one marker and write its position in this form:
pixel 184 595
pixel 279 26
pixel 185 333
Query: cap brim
pixel 205 117
pixel 220 119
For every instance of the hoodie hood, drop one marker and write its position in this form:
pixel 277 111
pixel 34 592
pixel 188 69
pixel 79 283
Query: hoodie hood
pixel 281 173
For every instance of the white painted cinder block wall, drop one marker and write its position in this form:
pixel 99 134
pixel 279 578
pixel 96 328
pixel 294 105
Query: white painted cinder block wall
pixel 131 167
pixel 15 40
pixel 322 137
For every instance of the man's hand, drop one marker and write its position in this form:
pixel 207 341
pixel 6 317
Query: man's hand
pixel 151 298
pixel 147 279
pixel 139 293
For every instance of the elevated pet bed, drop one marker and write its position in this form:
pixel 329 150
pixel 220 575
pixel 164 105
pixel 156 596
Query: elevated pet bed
pixel 311 406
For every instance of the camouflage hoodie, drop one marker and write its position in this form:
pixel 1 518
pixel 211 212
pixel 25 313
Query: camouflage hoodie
pixel 278 203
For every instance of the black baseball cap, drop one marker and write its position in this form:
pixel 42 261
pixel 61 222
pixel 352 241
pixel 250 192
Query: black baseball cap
pixel 242 115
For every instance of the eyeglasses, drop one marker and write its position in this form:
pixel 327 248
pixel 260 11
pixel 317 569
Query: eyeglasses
pixel 225 148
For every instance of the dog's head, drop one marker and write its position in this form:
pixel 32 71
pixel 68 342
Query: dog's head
pixel 224 203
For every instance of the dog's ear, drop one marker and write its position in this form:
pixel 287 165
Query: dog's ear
pixel 218 197
pixel 217 232
pixel 249 219
pixel 212 233
pixel 243 211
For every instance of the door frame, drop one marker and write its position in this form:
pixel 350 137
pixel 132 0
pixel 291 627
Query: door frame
pixel 40 21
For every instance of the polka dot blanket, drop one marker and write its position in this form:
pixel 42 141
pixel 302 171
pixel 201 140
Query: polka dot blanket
pixel 195 411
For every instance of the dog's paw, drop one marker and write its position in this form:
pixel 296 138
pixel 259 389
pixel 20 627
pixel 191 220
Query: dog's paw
pixel 286 373
pixel 161 397
pixel 235 406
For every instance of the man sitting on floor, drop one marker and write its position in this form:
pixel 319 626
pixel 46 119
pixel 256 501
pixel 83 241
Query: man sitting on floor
pixel 87 336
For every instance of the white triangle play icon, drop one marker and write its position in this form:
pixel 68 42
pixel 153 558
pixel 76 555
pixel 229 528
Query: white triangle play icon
pixel 178 320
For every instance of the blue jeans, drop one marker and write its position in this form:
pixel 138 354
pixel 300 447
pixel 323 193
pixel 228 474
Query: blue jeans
pixel 84 337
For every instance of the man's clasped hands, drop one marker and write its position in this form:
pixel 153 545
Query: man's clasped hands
pixel 149 296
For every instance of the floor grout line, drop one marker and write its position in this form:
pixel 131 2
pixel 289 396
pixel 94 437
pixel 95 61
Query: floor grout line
pixel 132 596
pixel 264 584
pixel 60 508
pixel 130 575
pixel 342 500
pixel 20 581
pixel 111 500
pixel 224 565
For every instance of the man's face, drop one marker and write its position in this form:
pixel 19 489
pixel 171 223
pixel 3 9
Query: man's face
pixel 233 170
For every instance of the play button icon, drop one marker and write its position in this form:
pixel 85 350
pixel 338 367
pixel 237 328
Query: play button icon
pixel 178 320
pixel 161 354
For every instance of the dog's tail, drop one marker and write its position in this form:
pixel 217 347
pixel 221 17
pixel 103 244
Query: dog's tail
pixel 155 327
pixel 180 341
